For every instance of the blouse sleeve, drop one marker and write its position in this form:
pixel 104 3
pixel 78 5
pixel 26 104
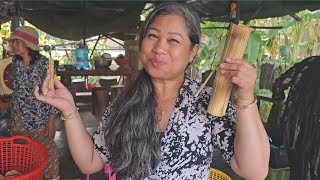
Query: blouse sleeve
pixel 223 133
pixel 99 137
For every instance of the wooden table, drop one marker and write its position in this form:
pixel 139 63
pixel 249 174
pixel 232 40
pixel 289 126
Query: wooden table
pixel 66 74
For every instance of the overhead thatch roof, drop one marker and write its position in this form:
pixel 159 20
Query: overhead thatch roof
pixel 77 19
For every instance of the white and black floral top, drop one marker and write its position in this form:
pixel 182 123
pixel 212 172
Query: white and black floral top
pixel 188 143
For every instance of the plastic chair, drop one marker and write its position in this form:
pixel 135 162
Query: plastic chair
pixel 215 174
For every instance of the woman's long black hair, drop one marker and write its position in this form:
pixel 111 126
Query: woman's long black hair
pixel 130 131
pixel 34 55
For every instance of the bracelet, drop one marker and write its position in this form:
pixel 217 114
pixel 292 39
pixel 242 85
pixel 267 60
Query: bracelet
pixel 246 106
pixel 70 116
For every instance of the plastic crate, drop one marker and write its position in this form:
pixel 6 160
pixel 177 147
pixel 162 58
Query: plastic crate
pixel 24 155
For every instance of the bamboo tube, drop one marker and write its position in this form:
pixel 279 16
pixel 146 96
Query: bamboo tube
pixel 235 46
pixel 51 71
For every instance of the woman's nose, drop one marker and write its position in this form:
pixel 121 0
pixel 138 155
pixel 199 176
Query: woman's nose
pixel 13 43
pixel 159 47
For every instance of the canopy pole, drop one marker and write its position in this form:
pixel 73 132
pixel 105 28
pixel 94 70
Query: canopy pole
pixel 94 47
pixel 83 15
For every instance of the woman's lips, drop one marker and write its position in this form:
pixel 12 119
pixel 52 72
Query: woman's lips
pixel 157 63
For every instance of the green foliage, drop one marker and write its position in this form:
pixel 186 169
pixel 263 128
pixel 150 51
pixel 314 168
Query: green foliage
pixel 265 106
pixel 263 91
pixel 253 47
pixel 285 51
pixel 296 41
pixel 101 45
pixel 211 48
pixel 264 110
pixel 147 9
pixel 287 46
pixel 5 31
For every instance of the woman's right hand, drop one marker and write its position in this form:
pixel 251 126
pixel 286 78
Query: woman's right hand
pixel 60 97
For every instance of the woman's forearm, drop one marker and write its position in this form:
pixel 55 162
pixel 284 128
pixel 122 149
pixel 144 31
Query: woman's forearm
pixel 81 146
pixel 251 146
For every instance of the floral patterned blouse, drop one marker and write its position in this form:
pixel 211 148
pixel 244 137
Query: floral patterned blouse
pixel 188 143
pixel 34 113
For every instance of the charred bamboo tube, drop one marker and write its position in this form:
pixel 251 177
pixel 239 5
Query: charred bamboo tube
pixel 235 46
pixel 51 71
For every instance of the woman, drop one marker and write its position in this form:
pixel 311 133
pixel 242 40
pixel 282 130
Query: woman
pixel 31 117
pixel 157 126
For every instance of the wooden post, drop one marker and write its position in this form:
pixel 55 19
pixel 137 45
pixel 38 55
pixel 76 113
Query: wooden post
pixel 235 46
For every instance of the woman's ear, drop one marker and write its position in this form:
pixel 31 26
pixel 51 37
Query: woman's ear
pixel 194 52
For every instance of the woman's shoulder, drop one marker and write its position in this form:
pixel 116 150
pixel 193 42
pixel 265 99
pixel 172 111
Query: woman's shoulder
pixel 42 60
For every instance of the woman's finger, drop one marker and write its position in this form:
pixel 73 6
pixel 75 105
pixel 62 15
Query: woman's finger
pixel 243 79
pixel 39 96
pixel 242 75
pixel 238 81
pixel 44 87
pixel 58 83
pixel 235 67
pixel 36 91
pixel 240 62
pixel 245 74
pixel 46 99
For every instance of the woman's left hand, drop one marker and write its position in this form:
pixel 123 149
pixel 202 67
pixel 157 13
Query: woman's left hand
pixel 60 97
pixel 242 74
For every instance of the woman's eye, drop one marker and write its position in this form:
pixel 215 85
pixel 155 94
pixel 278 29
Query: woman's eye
pixel 174 40
pixel 152 36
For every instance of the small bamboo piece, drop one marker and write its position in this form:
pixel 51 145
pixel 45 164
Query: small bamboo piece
pixel 51 71
pixel 204 84
pixel 234 47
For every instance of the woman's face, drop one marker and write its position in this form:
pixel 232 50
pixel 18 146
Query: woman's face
pixel 166 48
pixel 18 47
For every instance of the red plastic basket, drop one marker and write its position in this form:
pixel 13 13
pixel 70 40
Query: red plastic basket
pixel 24 155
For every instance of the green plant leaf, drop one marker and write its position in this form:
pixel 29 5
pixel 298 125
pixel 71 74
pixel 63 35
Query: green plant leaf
pixel 304 45
pixel 253 47
pixel 284 51
pixel 314 14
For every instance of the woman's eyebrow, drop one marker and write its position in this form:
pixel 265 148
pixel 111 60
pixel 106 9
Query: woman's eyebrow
pixel 173 33
pixel 176 33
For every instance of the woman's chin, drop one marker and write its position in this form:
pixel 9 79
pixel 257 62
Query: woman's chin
pixel 157 75
pixel 153 70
